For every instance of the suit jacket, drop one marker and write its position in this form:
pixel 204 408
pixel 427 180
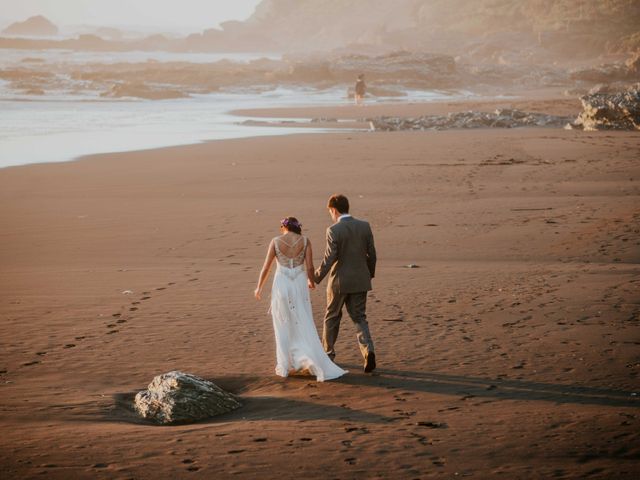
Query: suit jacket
pixel 349 257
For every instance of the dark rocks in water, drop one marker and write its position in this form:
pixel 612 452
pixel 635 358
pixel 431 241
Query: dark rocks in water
pixel 309 71
pixel 178 397
pixel 141 90
pixel 37 26
pixel 611 72
pixel 402 67
pixel 512 74
pixel 600 88
pixel 34 91
pixel 501 118
pixel 602 74
pixel 324 120
pixel 400 64
pixel 633 63
pixel 575 92
pixel 610 111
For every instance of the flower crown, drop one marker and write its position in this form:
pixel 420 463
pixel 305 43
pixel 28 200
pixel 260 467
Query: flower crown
pixel 285 222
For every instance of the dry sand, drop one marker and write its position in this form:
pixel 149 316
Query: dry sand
pixel 512 350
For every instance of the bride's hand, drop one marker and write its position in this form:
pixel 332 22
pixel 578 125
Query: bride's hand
pixel 311 284
pixel 257 293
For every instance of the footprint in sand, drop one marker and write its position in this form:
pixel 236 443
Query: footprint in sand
pixel 430 424
pixel 422 439
pixel 28 364
pixel 362 430
pixel 69 345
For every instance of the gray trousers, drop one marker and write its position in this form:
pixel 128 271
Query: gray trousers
pixel 356 304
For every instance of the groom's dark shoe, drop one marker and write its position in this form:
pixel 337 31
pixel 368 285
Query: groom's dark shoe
pixel 370 363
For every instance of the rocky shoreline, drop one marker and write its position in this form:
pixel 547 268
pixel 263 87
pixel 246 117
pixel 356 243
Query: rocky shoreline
pixel 601 111
pixel 501 118
pixel 388 75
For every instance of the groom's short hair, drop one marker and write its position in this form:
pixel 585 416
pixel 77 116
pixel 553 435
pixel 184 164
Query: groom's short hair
pixel 339 202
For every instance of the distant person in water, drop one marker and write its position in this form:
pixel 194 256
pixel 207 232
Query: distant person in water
pixel 360 90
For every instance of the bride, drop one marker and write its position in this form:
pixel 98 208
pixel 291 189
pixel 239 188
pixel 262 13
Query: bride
pixel 297 344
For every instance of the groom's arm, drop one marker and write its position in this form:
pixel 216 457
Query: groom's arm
pixel 371 254
pixel 330 257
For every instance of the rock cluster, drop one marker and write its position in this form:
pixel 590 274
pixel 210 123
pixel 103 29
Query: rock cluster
pixel 400 68
pixel 501 118
pixel 610 111
pixel 610 72
pixel 178 397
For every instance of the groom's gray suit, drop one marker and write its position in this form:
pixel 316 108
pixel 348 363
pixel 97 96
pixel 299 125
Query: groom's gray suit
pixel 350 261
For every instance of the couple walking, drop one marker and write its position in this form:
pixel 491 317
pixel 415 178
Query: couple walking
pixel 350 261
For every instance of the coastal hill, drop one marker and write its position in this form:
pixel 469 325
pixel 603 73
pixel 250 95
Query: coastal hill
pixel 494 31
pixel 566 27
pixel 37 26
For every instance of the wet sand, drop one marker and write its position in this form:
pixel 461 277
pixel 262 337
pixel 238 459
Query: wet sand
pixel 512 349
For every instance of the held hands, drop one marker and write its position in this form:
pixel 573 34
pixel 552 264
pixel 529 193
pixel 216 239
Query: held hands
pixel 311 284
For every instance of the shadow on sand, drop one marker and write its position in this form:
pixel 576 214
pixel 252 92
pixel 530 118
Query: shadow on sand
pixel 498 389
pixel 268 398
pixel 262 399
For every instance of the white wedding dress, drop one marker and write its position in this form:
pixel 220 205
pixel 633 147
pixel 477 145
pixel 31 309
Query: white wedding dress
pixel 297 344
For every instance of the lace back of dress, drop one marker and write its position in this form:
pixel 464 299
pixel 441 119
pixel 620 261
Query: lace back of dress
pixel 291 257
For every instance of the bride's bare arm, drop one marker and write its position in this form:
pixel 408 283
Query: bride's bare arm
pixel 308 262
pixel 264 273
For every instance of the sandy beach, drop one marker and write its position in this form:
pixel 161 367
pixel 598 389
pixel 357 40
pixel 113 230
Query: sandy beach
pixel 510 350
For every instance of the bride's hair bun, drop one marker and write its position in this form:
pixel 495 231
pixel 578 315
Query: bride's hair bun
pixel 292 224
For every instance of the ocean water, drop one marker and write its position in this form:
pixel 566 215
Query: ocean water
pixel 66 124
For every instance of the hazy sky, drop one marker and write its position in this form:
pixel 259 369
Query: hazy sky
pixel 177 15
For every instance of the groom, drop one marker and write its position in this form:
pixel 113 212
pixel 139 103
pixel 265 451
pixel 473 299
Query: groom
pixel 350 261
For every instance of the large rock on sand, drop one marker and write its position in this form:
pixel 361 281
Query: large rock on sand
pixel 178 397
pixel 610 111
